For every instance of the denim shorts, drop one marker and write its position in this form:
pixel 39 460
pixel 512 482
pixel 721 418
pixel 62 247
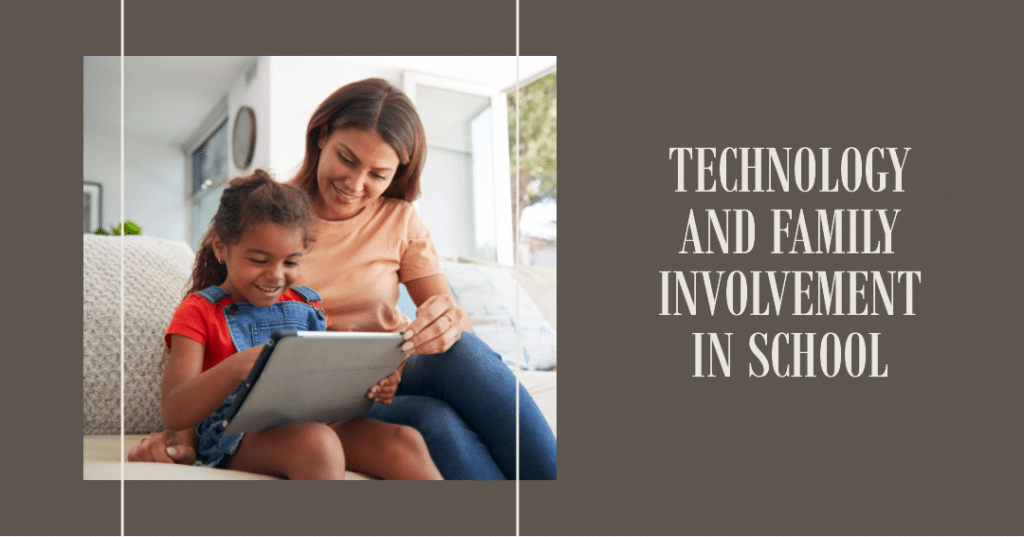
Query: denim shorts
pixel 213 447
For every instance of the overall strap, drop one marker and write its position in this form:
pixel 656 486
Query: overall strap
pixel 213 293
pixel 308 294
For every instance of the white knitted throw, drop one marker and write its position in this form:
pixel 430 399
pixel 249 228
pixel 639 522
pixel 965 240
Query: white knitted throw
pixel 155 274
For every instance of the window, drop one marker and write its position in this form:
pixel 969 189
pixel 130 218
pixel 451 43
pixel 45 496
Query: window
pixel 209 175
pixel 210 159
pixel 463 201
pixel 535 192
pixel 473 201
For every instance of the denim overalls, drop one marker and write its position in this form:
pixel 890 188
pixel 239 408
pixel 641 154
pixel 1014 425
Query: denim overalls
pixel 249 326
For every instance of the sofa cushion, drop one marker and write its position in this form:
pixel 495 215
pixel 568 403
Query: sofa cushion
pixel 541 283
pixel 488 294
pixel 155 274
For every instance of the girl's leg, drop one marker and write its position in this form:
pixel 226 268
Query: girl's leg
pixel 385 450
pixel 472 379
pixel 301 450
pixel 457 450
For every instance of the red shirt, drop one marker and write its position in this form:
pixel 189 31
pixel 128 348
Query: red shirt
pixel 196 318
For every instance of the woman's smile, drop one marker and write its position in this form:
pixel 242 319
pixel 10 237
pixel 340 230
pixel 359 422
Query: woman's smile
pixel 342 196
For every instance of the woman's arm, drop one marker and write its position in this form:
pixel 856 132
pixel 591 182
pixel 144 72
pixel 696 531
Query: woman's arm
pixel 439 319
pixel 438 325
pixel 190 394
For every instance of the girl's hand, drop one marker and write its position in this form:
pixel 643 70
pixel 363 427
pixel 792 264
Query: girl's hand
pixel 438 325
pixel 384 391
pixel 244 360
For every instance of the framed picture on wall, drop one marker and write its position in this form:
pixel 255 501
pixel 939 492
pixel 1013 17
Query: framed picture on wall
pixel 92 194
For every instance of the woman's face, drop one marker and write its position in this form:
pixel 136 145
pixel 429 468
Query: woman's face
pixel 356 167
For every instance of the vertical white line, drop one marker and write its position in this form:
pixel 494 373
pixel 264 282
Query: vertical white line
pixel 121 215
pixel 515 267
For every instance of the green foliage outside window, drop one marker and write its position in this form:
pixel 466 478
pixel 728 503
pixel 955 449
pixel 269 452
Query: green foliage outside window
pixel 536 144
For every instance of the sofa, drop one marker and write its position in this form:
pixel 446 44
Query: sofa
pixel 512 308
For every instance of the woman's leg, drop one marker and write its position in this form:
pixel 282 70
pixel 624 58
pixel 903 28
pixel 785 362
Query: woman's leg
pixel 385 450
pixel 457 450
pixel 472 379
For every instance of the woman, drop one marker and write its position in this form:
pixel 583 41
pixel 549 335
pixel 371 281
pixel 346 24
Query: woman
pixel 365 149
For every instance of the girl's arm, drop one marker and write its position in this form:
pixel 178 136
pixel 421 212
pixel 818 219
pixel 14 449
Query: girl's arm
pixel 439 319
pixel 190 394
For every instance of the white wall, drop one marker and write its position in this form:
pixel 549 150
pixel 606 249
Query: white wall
pixel 157 182
pixel 254 94
pixel 154 188
pixel 102 164
pixel 298 84
pixel 154 194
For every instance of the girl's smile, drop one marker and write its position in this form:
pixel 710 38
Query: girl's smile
pixel 263 264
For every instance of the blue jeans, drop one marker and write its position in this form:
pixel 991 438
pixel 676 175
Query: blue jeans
pixel 463 403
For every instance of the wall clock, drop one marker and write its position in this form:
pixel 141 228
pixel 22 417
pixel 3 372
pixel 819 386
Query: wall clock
pixel 244 135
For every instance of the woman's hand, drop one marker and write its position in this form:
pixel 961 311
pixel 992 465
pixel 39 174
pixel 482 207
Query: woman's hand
pixel 166 446
pixel 384 391
pixel 438 325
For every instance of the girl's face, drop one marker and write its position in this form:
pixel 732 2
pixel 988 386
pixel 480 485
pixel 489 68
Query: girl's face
pixel 356 167
pixel 263 264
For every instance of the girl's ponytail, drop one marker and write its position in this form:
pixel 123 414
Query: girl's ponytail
pixel 207 270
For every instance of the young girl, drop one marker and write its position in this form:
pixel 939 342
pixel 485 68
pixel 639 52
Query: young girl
pixel 241 291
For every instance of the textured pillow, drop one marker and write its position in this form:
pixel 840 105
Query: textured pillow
pixel 538 282
pixel 156 271
pixel 487 293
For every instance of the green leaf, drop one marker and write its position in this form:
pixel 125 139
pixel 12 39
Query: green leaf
pixel 128 228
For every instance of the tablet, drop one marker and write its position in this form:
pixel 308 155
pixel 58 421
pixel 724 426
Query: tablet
pixel 313 376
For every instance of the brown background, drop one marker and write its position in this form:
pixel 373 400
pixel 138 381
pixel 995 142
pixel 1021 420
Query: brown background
pixel 644 448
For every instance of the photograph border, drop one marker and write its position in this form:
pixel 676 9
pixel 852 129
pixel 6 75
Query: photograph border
pixel 96 207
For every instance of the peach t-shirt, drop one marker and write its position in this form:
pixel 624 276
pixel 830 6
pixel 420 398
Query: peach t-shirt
pixel 357 264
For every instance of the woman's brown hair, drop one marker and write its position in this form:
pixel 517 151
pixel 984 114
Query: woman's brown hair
pixel 246 202
pixel 375 105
